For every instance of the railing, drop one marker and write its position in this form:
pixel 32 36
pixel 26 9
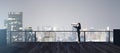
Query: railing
pixel 33 36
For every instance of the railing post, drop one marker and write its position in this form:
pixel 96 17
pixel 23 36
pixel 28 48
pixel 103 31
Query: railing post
pixel 109 35
pixel 25 37
pixel 35 37
pixel 84 36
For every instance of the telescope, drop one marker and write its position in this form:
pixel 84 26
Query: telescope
pixel 74 24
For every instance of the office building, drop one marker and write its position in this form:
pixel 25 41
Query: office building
pixel 13 23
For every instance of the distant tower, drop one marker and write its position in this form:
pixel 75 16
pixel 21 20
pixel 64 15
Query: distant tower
pixel 13 23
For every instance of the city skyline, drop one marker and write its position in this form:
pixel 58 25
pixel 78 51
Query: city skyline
pixel 90 13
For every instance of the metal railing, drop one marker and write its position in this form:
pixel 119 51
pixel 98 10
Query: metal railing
pixel 31 36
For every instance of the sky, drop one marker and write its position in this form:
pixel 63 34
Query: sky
pixel 61 13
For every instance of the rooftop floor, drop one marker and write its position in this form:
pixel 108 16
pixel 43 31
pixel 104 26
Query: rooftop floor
pixel 60 47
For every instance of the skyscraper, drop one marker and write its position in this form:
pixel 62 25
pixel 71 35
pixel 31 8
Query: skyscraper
pixel 13 23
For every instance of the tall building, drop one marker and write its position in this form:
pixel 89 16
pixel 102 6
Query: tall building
pixel 13 23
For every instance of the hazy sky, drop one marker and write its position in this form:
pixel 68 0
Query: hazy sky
pixel 61 13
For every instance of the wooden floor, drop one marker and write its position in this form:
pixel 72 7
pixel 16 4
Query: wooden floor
pixel 60 47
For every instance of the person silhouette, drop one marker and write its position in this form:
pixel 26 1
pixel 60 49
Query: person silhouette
pixel 78 27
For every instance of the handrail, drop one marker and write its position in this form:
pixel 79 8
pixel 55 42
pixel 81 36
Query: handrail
pixel 61 31
pixel 84 32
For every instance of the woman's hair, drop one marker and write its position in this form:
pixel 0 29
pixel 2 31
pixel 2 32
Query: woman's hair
pixel 78 23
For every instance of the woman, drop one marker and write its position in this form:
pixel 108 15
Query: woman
pixel 78 27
